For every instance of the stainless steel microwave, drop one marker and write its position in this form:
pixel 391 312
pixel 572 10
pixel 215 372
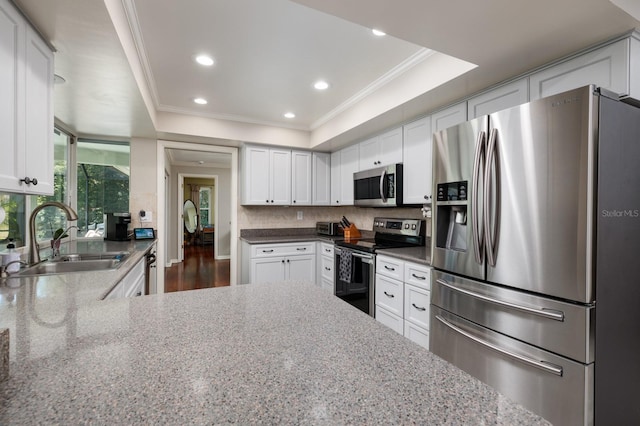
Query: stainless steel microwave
pixel 379 187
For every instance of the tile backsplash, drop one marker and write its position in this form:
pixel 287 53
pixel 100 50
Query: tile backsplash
pixel 259 217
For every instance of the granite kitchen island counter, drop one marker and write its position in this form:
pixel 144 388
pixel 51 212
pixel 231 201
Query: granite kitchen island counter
pixel 283 353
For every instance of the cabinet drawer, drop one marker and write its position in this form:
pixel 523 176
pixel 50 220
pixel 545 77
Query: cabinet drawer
pixel 288 249
pixel 416 305
pixel 416 334
pixel 392 321
pixel 390 267
pixel 326 268
pixel 418 275
pixel 389 294
pixel 326 249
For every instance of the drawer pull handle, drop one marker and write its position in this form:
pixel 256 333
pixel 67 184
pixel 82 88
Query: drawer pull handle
pixel 389 268
pixel 418 277
pixel 543 312
pixel 267 251
pixel 327 268
pixel 388 295
pixel 301 248
pixel 542 365
pixel 327 250
pixel 418 307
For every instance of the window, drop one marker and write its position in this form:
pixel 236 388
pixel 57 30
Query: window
pixel 205 206
pixel 13 226
pixel 50 219
pixel 103 183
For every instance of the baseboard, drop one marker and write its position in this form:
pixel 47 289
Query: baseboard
pixel 225 257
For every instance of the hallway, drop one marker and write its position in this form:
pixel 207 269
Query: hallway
pixel 198 270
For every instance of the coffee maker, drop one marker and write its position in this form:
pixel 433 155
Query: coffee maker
pixel 116 226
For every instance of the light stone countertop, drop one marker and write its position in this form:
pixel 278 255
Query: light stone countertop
pixel 420 254
pixel 283 353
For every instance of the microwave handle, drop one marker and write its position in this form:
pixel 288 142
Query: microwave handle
pixel 384 174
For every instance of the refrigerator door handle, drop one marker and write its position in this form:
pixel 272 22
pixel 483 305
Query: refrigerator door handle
pixel 382 176
pixel 492 234
pixel 477 231
pixel 542 365
pixel 546 313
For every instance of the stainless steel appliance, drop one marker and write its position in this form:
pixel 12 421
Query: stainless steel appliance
pixel 537 228
pixel 116 226
pixel 355 261
pixel 379 187
pixel 331 229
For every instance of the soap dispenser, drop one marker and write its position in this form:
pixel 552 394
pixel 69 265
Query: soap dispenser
pixel 11 255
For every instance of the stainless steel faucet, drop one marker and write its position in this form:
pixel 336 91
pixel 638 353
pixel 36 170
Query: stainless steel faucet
pixel 34 247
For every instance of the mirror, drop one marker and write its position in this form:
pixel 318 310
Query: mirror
pixel 190 216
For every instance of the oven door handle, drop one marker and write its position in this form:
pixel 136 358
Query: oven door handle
pixel 367 258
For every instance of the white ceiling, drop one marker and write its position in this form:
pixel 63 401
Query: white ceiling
pixel 269 52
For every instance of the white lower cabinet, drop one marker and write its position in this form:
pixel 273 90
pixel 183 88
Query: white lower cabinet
pixel 403 297
pixel 131 285
pixel 283 262
pixel 325 266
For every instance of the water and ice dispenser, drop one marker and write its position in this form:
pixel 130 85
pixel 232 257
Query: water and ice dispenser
pixel 451 225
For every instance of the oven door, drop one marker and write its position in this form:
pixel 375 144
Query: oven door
pixel 359 290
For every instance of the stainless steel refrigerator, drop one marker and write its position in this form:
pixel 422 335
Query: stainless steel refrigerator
pixel 536 250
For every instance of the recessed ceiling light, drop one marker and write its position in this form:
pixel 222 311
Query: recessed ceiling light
pixel 378 32
pixel 200 101
pixel 204 60
pixel 321 85
pixel 289 115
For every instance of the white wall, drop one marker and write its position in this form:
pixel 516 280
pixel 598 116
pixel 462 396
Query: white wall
pixel 142 181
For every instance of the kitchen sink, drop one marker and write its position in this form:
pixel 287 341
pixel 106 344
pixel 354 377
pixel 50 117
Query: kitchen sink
pixel 76 262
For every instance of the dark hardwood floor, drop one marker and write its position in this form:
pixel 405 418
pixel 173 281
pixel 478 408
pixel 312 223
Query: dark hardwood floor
pixel 198 270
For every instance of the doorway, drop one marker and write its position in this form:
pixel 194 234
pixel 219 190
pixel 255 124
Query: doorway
pixel 225 169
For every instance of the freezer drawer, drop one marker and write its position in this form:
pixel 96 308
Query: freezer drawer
pixel 564 328
pixel 558 389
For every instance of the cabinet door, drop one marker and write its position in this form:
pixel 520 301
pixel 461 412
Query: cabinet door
pixel 280 180
pixel 503 97
pixel 391 147
pixel 392 321
pixel 256 176
pixel 301 268
pixel 606 67
pixel 336 178
pixel 348 166
pixel 369 153
pixel 416 306
pixel 39 117
pixel 267 270
pixel 390 294
pixel 451 116
pixel 321 179
pixel 12 98
pixel 417 180
pixel 300 178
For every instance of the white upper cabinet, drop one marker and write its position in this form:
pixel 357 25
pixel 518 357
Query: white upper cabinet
pixel 26 106
pixel 321 179
pixel 280 177
pixel 266 176
pixel 336 178
pixel 381 150
pixel 301 178
pixel 417 177
pixel 344 164
pixel 607 67
pixel 448 117
pixel 503 97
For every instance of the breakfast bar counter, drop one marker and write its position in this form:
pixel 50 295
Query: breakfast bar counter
pixel 283 353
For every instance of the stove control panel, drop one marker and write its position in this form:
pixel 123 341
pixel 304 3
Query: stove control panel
pixel 412 227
